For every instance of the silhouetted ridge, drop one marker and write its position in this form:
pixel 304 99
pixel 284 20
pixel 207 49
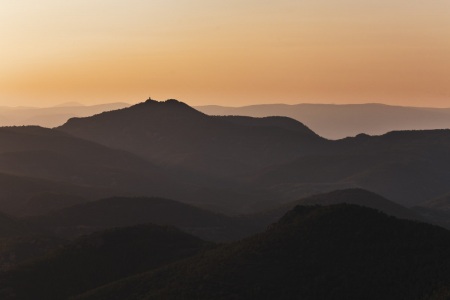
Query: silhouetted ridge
pixel 157 112
pixel 340 121
pixel 173 133
pixel 274 121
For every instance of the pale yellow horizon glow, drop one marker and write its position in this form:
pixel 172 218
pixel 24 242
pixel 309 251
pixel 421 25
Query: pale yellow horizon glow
pixel 225 52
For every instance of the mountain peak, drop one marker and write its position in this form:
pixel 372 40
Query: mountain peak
pixel 168 101
pixel 167 106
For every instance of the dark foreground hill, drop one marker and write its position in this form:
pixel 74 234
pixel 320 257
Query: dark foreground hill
pixel 336 252
pixel 98 259
pixel 20 241
pixel 22 248
pixel 10 227
pixel 121 211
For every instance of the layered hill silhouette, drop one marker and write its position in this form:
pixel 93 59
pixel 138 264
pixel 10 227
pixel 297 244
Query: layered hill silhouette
pixel 441 203
pixel 275 156
pixel 350 196
pixel 173 133
pixel 407 167
pixel 51 116
pixel 120 211
pixel 36 161
pixel 97 259
pixel 437 210
pixel 340 121
pixel 231 178
pixel 336 252
pixel 226 164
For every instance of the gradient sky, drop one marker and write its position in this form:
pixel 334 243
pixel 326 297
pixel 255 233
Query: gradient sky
pixel 233 52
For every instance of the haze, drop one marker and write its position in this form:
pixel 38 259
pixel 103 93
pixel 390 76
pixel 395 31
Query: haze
pixel 225 52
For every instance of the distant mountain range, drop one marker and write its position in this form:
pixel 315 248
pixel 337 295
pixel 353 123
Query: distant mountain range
pixel 340 121
pixel 327 120
pixel 262 159
pixel 228 164
pixel 130 203
pixel 51 116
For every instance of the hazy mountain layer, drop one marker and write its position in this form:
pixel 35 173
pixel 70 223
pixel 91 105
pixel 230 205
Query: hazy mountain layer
pixel 339 121
pixel 51 116
pixel 36 161
pixel 275 156
pixel 407 167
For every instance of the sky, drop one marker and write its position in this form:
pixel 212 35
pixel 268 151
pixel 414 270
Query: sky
pixel 234 52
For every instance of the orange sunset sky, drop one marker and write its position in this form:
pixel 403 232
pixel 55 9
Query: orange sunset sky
pixel 233 52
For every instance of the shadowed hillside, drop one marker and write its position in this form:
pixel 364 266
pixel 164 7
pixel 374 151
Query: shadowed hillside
pixel 10 226
pixel 406 167
pixel 97 259
pixel 336 252
pixel 47 161
pixel 119 212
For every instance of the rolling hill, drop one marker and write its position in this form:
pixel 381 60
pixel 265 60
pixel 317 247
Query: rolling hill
pixel 97 259
pixel 336 252
pixel 350 196
pixel 47 161
pixel 120 211
pixel 407 167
